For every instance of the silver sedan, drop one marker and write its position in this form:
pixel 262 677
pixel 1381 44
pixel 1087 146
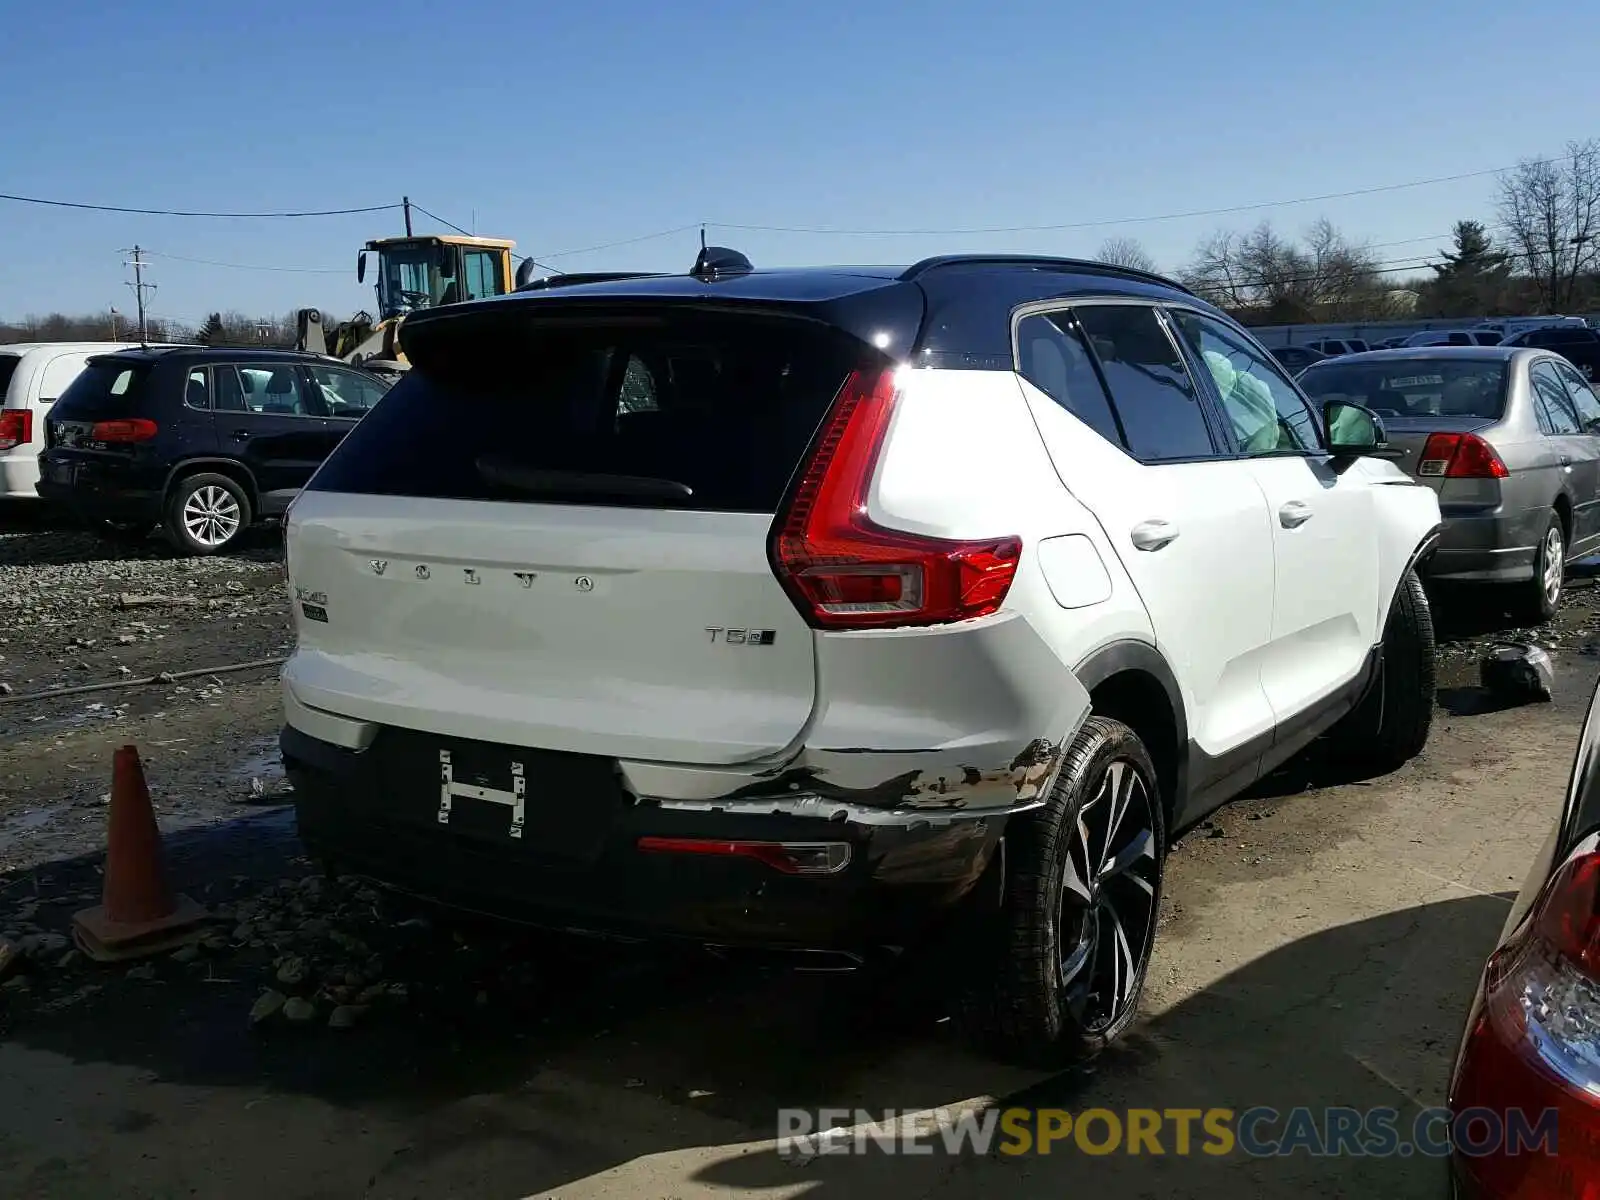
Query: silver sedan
pixel 1509 439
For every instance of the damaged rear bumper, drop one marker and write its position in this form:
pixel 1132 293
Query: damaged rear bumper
pixel 586 859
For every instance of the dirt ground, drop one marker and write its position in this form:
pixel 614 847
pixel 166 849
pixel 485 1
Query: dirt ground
pixel 1320 942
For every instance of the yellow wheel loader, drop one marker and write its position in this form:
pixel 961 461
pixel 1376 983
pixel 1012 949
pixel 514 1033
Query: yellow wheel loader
pixel 413 272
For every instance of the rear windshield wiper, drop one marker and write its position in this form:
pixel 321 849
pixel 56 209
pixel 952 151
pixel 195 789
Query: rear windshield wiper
pixel 504 473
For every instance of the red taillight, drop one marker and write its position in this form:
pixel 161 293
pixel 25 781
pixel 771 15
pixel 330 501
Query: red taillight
pixel 1460 456
pixel 843 571
pixel 16 428
pixel 791 858
pixel 1530 1067
pixel 135 429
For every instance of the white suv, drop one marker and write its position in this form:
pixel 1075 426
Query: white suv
pixel 831 609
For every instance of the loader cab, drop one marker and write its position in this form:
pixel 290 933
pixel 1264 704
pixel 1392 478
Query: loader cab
pixel 425 272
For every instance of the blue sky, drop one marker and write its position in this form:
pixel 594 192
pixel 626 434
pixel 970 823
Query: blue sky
pixel 566 125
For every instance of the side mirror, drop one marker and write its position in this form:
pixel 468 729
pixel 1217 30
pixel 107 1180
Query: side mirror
pixel 361 267
pixel 1353 429
pixel 525 270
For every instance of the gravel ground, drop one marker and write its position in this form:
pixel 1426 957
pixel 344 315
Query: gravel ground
pixel 84 612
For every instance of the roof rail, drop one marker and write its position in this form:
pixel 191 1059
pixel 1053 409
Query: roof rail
pixel 1042 261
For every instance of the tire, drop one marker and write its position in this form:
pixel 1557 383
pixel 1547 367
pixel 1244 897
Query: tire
pixel 1390 726
pixel 1538 599
pixel 207 513
pixel 1029 1002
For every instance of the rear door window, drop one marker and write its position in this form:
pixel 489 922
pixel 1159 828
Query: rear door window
pixel 702 412
pixel 1556 414
pixel 1053 356
pixel 106 390
pixel 268 389
pixel 1156 401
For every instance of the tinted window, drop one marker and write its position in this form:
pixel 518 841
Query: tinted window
pixel 272 389
pixel 106 390
pixel 346 393
pixel 723 406
pixel 1267 414
pixel 1053 356
pixel 1486 339
pixel 1582 397
pixel 196 391
pixel 1554 406
pixel 1459 339
pixel 1561 337
pixel 1413 387
pixel 8 368
pixel 1154 397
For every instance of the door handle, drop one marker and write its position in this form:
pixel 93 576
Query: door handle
pixel 241 435
pixel 1294 514
pixel 1153 534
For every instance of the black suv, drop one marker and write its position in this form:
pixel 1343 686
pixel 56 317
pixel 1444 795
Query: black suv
pixel 203 441
pixel 1579 346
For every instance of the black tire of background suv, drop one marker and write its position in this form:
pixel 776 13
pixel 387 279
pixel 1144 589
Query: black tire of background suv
pixel 179 491
pixel 1390 726
pixel 1012 1003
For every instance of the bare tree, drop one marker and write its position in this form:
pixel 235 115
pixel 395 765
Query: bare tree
pixel 1125 252
pixel 1266 275
pixel 1551 212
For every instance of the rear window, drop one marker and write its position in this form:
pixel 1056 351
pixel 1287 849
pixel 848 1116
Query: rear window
pixel 8 368
pixel 107 389
pixel 696 412
pixel 1560 337
pixel 1415 387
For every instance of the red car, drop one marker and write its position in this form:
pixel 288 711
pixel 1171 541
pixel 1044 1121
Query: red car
pixel 1525 1096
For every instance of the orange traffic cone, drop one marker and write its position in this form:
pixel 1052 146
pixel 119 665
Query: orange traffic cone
pixel 138 913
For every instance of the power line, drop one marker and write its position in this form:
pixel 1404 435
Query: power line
pixel 208 262
pixel 168 212
pixel 458 229
pixel 634 241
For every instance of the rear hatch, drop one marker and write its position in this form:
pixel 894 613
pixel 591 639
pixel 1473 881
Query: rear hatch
pixel 553 533
pixel 105 399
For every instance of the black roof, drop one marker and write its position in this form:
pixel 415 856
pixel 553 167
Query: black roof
pixel 952 310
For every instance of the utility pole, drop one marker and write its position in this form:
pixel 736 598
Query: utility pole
pixel 114 315
pixel 139 287
pixel 405 202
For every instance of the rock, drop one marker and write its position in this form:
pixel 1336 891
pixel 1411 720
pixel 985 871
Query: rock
pixel 243 931
pixel 26 912
pixel 268 1004
pixel 298 1008
pixel 49 944
pixel 126 639
pixel 144 971
pixel 186 954
pixel 1517 672
pixel 10 957
pixel 292 972
pixel 70 959
pixel 370 993
pixel 214 942
pixel 18 983
pixel 6 689
pixel 345 1016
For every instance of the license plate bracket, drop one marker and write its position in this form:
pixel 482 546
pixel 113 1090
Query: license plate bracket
pixel 515 798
